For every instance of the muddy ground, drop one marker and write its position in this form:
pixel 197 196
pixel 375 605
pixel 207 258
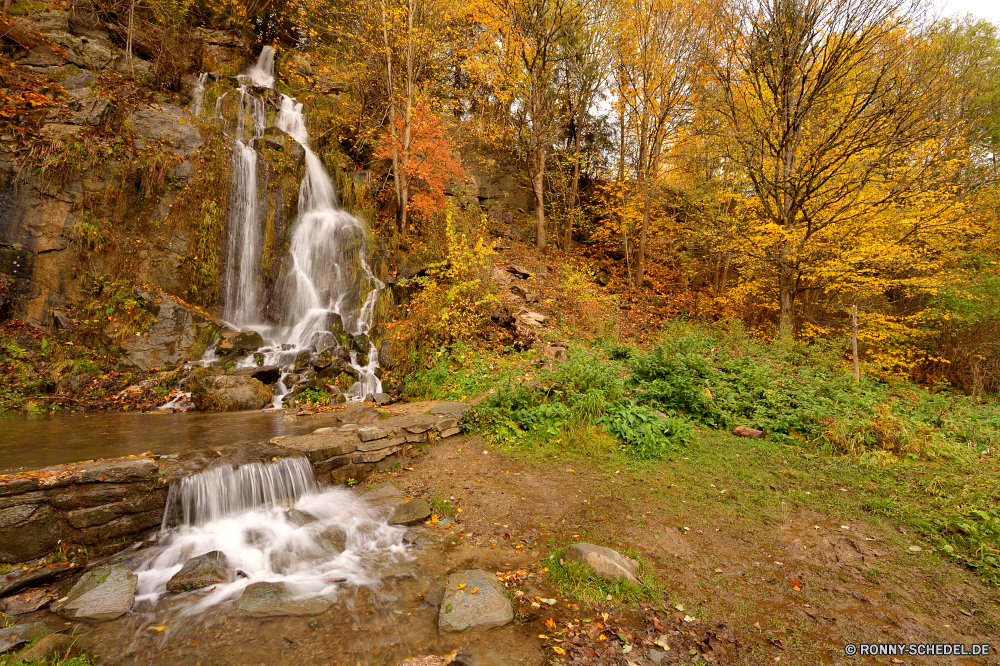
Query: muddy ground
pixel 740 579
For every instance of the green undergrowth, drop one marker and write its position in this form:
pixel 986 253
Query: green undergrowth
pixel 923 457
pixel 650 400
pixel 584 584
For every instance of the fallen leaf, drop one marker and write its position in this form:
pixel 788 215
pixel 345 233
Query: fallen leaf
pixel 550 623
pixel 558 650
pixel 474 590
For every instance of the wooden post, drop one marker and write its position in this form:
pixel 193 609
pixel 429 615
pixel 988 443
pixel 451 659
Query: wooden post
pixel 854 342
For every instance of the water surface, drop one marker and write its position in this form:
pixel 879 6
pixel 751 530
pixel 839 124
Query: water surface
pixel 36 441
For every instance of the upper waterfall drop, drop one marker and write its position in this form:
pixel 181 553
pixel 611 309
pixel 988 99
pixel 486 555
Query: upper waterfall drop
pixel 328 286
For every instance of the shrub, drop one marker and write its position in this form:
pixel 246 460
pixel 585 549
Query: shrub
pixel 645 433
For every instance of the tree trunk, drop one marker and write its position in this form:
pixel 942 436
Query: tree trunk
pixel 537 184
pixel 785 322
pixel 538 169
pixel 854 342
pixel 640 270
pixel 574 189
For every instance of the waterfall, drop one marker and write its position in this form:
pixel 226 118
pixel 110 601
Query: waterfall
pixel 245 243
pixel 224 492
pixel 272 524
pixel 198 94
pixel 328 281
pixel 218 105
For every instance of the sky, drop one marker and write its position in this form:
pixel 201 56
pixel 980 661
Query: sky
pixel 987 9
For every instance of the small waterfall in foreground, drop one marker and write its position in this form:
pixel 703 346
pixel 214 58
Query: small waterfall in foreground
pixel 198 94
pixel 272 524
pixel 224 491
pixel 328 283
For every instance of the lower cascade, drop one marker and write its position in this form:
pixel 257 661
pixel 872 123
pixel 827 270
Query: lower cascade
pixel 266 523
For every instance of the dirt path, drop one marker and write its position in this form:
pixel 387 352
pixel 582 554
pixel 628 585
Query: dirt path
pixel 796 587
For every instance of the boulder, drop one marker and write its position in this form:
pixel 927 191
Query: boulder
pixel 267 374
pixel 239 342
pixel 274 599
pixel 479 604
pixel 385 358
pixel 228 393
pixel 519 271
pixel 103 593
pixel 555 353
pixel 743 431
pixel 179 333
pixel 359 413
pixel 202 571
pixel 522 291
pixel 605 562
pixel 410 513
pixel 381 398
pixel 47 646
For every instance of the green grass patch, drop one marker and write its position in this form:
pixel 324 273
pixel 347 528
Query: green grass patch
pixel 579 581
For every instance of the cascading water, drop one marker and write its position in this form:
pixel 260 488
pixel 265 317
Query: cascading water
pixel 273 525
pixel 198 94
pixel 328 282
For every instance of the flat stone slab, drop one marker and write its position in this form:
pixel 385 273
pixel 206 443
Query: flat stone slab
pixel 320 446
pixel 103 593
pixel 474 599
pixel 26 602
pixel 453 409
pixel 274 599
pixel 605 562
pixel 19 578
pixel 18 634
pixel 410 513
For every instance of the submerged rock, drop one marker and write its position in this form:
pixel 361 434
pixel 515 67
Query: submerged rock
pixel 605 562
pixel 18 634
pixel 47 646
pixel 474 599
pixel 410 513
pixel 202 571
pixel 481 656
pixel 103 593
pixel 273 599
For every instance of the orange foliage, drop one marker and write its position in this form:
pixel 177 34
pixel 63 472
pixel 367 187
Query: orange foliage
pixel 432 164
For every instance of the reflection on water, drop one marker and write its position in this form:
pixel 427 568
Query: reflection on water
pixel 33 441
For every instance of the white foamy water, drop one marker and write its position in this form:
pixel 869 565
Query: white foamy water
pixel 327 281
pixel 198 94
pixel 274 525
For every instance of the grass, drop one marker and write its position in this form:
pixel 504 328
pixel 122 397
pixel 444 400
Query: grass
pixel 582 583
pixel 80 660
pixel 924 458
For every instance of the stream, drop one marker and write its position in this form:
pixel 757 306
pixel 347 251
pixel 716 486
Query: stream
pixel 35 441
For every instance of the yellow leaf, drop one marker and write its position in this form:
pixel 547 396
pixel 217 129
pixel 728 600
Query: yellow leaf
pixel 558 650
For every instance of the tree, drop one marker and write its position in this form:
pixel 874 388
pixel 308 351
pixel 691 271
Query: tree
pixel 396 45
pixel 584 73
pixel 827 109
pixel 660 47
pixel 530 34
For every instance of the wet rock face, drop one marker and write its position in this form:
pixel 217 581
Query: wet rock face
pixel 84 503
pixel 474 600
pixel 228 393
pixel 179 333
pixel 104 593
pixel 202 571
pixel 605 562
